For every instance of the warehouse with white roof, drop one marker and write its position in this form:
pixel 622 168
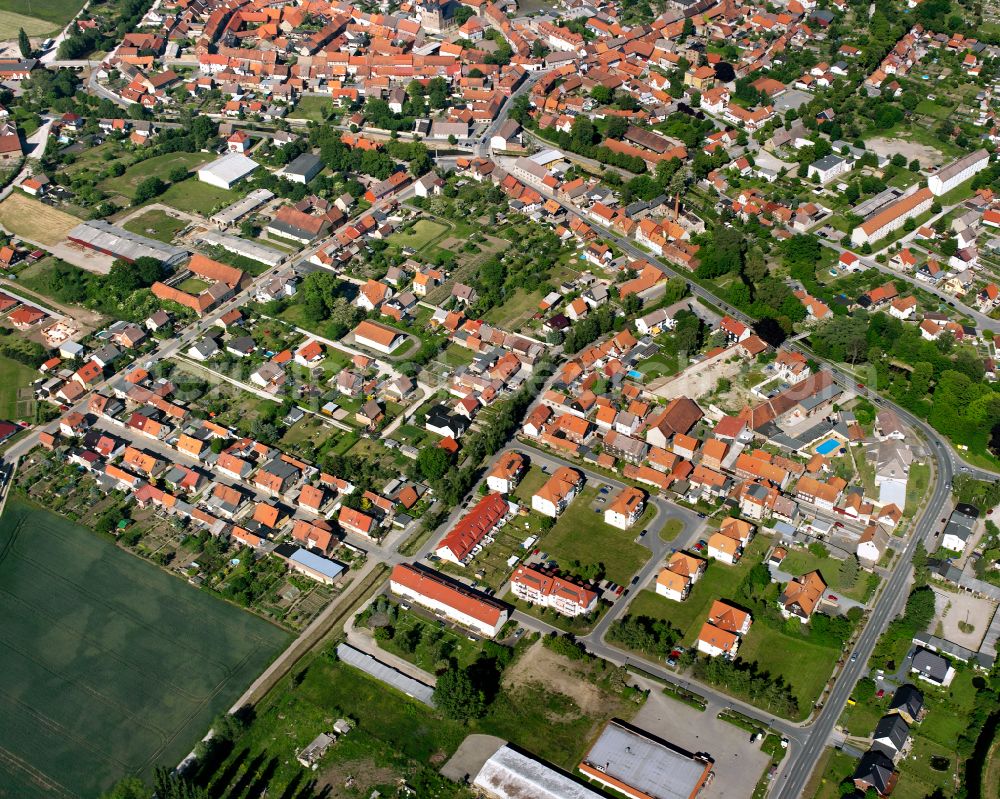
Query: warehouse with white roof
pixel 227 171
pixel 508 774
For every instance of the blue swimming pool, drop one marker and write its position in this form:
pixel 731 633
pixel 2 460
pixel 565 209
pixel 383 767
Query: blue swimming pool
pixel 828 446
pixel 634 374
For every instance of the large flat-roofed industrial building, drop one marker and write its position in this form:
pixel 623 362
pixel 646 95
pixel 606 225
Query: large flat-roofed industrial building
pixel 120 243
pixel 638 765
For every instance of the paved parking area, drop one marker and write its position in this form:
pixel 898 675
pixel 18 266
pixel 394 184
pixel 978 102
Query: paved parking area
pixel 793 98
pixel 738 763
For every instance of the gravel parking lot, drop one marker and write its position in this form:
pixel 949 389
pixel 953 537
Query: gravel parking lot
pixel 953 609
pixel 738 763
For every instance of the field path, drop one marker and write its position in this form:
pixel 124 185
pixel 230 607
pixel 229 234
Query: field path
pixel 991 771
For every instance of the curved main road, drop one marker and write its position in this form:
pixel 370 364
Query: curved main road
pixel 808 741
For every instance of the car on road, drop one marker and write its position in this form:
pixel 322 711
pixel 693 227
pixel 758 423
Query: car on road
pixel 634 580
pixel 854 657
pixel 643 533
pixel 701 516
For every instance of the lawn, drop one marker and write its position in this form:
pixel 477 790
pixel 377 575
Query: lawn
pixel 799 561
pixel 15 377
pixel 158 166
pixel 929 108
pixel 832 769
pixel 671 529
pixel 157 225
pixel 917 777
pixel 515 310
pixel 422 233
pixel 530 483
pixel 111 666
pixel 425 655
pixel 581 534
pixel 33 220
pixel 193 285
pixel 196 197
pixel 395 737
pixel 311 108
pixel 805 666
pixel 916 487
pixel 860 718
pixel 719 581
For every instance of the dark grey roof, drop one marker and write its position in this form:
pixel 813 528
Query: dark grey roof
pixel 931 665
pixel 876 770
pixel 306 164
pixel 907 699
pixel 890 734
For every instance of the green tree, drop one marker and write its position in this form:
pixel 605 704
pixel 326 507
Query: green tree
pixel 433 462
pixel 864 691
pixel 24 43
pixel 457 697
pixel 148 189
pixel 127 788
pixel 848 571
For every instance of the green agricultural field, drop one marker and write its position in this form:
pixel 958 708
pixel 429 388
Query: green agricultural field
pixel 37 17
pixel 11 23
pixel 58 12
pixel 157 225
pixel 111 666
pixel 15 379
pixel 196 197
pixel 158 166
pixel 581 534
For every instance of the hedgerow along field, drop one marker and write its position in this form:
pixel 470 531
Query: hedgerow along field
pixel 111 666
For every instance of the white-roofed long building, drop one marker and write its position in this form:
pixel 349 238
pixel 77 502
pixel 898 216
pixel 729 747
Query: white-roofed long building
pixel 510 775
pixel 227 171
pixel 957 172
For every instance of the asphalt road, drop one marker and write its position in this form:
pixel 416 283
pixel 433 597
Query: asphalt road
pixel 982 321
